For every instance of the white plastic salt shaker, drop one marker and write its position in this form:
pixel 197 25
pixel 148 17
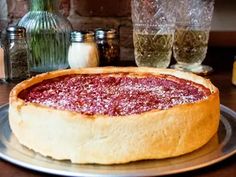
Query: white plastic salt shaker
pixel 83 50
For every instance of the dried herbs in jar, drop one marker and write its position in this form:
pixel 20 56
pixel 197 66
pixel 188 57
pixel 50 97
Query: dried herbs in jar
pixel 17 49
pixel 3 67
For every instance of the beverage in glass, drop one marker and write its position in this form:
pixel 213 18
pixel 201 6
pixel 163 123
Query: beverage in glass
pixel 153 32
pixel 192 30
pixel 190 46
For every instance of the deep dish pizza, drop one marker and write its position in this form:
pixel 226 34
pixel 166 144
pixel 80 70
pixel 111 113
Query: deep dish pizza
pixel 114 115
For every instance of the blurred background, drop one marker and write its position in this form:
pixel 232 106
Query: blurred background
pixel 91 14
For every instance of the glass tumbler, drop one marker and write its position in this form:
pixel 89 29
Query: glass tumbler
pixel 193 25
pixel 153 32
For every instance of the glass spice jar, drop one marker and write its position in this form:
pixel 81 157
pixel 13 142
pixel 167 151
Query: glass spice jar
pixel 108 46
pixel 17 53
pixel 3 66
pixel 83 50
pixel 234 72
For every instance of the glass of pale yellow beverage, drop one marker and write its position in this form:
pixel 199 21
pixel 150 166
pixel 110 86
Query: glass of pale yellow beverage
pixel 153 32
pixel 193 25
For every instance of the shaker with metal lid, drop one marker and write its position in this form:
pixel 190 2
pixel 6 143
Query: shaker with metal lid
pixel 17 53
pixel 83 50
pixel 108 46
pixel 3 66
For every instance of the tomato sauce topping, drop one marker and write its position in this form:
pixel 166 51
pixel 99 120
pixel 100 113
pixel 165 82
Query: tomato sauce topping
pixel 114 95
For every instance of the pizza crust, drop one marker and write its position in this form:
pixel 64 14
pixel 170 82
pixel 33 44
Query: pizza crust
pixel 103 139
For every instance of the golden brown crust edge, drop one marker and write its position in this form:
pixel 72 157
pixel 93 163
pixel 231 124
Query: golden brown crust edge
pixel 108 140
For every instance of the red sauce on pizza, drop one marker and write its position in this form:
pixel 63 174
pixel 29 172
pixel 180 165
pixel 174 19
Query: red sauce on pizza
pixel 114 95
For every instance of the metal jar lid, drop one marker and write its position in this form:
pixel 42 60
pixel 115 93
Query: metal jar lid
pixel 81 36
pixel 105 33
pixel 16 32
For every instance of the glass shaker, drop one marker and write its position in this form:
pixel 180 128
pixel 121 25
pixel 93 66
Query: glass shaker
pixel 3 67
pixel 108 46
pixel 17 53
pixel 234 72
pixel 83 50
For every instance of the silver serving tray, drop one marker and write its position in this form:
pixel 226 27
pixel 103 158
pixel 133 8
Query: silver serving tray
pixel 221 146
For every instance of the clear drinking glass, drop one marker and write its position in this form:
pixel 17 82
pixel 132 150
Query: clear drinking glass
pixel 193 25
pixel 153 31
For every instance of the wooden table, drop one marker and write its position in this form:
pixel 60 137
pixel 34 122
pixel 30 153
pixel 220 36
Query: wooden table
pixel 226 168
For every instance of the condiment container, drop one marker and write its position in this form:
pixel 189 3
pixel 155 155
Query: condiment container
pixel 83 50
pixel 17 53
pixel 3 66
pixel 234 72
pixel 109 46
